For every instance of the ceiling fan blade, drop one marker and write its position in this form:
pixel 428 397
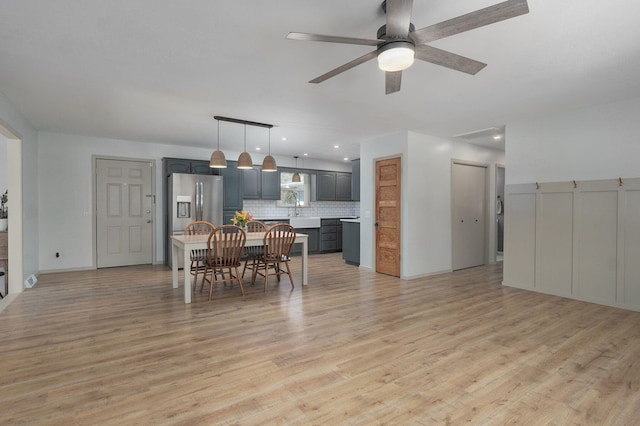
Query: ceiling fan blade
pixel 479 18
pixel 332 39
pixel 345 67
pixel 448 59
pixel 392 81
pixel 398 17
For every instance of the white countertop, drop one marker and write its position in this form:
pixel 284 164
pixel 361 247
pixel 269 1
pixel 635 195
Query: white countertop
pixel 350 220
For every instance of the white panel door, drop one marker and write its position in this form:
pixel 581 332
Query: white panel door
pixel 468 215
pixel 123 213
pixel 554 243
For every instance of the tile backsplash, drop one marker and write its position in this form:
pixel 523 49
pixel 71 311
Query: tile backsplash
pixel 267 209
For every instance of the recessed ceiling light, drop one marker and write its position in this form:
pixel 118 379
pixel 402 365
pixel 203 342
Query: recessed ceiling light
pixel 306 154
pixel 284 139
pixel 336 146
pixel 258 148
pixel 497 137
pixel 346 158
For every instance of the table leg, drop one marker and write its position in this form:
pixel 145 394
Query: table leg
pixel 305 254
pixel 187 277
pixel 174 265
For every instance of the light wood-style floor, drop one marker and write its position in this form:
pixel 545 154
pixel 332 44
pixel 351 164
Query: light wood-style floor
pixel 119 346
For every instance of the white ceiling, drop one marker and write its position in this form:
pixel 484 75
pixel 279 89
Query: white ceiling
pixel 157 71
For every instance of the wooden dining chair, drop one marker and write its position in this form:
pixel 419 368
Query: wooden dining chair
pixel 225 247
pixel 198 257
pixel 252 253
pixel 276 252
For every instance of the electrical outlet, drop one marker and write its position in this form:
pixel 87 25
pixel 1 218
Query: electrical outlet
pixel 30 281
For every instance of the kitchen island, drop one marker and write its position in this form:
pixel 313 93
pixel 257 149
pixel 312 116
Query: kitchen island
pixel 351 241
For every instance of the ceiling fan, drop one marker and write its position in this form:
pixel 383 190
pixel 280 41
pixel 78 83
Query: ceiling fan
pixel 398 42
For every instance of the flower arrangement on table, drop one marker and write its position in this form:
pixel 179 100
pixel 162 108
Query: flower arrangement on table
pixel 241 218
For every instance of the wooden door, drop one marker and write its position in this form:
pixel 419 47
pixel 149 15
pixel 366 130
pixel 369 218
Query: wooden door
pixel 468 221
pixel 387 221
pixel 124 213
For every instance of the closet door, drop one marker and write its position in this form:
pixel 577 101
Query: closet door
pixel 468 215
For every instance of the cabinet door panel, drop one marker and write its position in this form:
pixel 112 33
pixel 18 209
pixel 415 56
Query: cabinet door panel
pixel 251 184
pixel 326 186
pixel 343 186
pixel 554 243
pixel 232 181
pixel 270 185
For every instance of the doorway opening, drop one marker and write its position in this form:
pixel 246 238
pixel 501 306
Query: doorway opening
pixel 15 262
pixel 500 207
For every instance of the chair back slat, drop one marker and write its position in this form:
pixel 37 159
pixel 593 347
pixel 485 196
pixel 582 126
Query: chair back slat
pixel 279 240
pixel 225 246
pixel 256 226
pixel 199 228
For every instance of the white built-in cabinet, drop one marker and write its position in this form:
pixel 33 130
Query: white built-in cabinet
pixel 575 239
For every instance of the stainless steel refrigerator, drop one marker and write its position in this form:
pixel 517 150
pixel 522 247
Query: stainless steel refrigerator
pixel 192 198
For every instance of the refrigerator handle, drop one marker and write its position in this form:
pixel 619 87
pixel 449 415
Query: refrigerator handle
pixel 196 203
pixel 200 200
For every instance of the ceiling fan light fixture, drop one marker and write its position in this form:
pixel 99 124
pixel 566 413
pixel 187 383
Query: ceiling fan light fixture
pixel 396 56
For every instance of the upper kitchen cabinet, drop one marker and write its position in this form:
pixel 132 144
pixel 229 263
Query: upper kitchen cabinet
pixel 333 186
pixel 343 186
pixel 259 185
pixel 233 186
pixel 251 183
pixel 355 180
pixel 181 165
pixel 326 186
pixel 270 185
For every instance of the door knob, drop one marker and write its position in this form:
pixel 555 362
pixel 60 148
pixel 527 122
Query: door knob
pixel 149 221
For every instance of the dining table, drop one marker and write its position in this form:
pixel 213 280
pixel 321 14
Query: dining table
pixel 185 243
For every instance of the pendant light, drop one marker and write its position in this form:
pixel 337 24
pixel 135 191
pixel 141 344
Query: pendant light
pixel 218 161
pixel 244 161
pixel 296 175
pixel 269 163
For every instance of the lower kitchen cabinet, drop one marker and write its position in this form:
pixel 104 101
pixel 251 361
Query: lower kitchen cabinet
pixel 351 243
pixel 313 246
pixel 330 235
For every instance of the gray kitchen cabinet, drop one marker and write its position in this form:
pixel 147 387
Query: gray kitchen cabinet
pixel 259 185
pixel 270 185
pixel 251 183
pixel 343 186
pixel 330 229
pixel 232 200
pixel 333 186
pixel 326 186
pixel 355 180
pixel 351 243
pixel 312 244
pixel 182 165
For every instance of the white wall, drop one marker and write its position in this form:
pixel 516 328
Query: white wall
pixel 426 197
pixel 599 142
pixel 3 164
pixel 66 191
pixel 595 143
